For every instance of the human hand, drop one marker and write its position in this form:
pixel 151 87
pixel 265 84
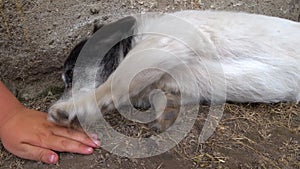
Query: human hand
pixel 29 135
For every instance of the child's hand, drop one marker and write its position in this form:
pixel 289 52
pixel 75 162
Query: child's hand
pixel 29 135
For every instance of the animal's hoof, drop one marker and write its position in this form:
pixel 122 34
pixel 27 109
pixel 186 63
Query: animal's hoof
pixel 169 115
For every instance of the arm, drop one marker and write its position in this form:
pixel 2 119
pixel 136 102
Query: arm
pixel 27 133
pixel 9 105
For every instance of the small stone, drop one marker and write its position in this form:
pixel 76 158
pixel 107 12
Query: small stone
pixel 105 18
pixel 51 42
pixel 51 46
pixel 153 5
pixel 94 11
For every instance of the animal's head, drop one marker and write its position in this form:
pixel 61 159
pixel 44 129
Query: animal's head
pixel 113 56
pixel 115 35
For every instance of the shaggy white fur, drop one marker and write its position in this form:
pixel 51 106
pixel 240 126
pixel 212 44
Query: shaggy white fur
pixel 256 57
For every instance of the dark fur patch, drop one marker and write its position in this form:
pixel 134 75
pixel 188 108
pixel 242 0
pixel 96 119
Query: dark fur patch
pixel 113 58
pixel 70 63
pixel 109 63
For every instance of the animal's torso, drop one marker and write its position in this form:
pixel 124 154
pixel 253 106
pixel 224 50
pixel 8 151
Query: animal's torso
pixel 259 55
pixel 248 58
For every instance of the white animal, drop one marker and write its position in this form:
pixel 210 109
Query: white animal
pixel 256 57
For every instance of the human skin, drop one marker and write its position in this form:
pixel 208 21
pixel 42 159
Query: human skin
pixel 28 134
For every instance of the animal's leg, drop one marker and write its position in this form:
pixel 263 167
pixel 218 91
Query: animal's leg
pixel 166 104
pixel 168 116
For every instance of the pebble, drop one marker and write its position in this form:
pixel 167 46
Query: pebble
pixel 51 42
pixel 105 18
pixel 94 11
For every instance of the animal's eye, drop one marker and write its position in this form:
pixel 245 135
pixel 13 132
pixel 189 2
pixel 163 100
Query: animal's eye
pixel 69 73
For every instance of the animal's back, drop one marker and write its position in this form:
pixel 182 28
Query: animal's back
pixel 228 30
pixel 260 55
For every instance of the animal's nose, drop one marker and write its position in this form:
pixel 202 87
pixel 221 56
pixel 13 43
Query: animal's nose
pixel 62 115
pixel 59 116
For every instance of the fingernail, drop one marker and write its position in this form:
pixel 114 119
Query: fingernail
pixel 90 150
pixel 97 142
pixel 52 159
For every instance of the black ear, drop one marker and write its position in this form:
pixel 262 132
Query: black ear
pixel 113 42
pixel 108 47
pixel 118 33
pixel 72 58
pixel 70 63
pixel 97 26
pixel 113 58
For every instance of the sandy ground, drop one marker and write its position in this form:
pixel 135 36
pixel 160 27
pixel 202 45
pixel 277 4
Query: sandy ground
pixel 37 35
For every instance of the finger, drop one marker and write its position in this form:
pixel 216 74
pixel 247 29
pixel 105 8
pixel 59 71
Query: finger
pixel 39 154
pixel 63 144
pixel 93 136
pixel 76 135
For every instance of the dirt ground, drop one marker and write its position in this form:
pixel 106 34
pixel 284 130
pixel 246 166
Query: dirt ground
pixel 36 36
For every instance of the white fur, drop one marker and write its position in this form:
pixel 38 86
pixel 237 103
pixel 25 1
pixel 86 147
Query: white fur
pixel 259 55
